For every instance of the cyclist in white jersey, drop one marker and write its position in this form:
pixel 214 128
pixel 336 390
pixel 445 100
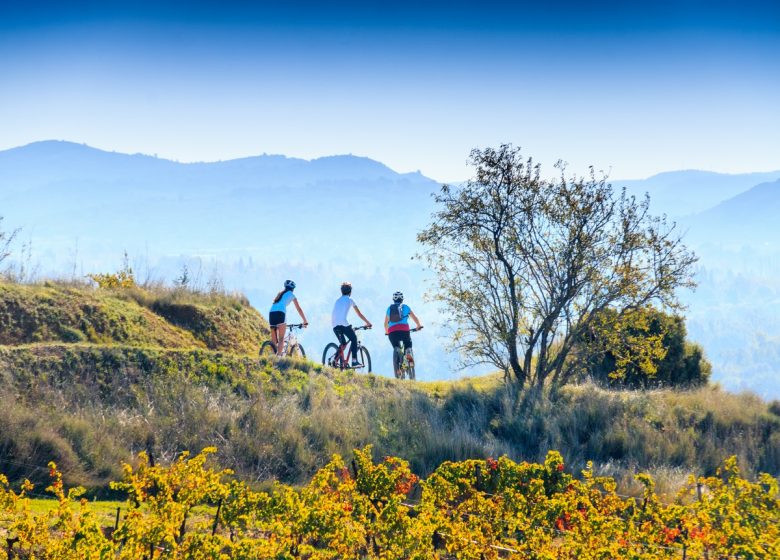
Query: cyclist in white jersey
pixel 341 326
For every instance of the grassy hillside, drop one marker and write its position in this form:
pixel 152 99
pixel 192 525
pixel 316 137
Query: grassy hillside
pixel 179 371
pixel 165 318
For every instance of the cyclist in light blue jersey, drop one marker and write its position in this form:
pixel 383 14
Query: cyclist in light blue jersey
pixel 276 316
pixel 397 325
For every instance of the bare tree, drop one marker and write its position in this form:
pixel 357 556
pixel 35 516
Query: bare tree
pixel 6 240
pixel 525 265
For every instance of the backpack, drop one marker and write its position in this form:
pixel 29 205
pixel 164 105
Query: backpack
pixel 395 313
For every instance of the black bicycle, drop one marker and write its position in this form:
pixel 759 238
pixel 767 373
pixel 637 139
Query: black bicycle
pixel 291 345
pixel 335 355
pixel 403 361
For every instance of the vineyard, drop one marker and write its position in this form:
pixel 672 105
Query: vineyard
pixel 476 509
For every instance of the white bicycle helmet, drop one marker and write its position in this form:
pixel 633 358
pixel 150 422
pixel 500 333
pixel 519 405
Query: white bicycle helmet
pixel 398 297
pixel 289 284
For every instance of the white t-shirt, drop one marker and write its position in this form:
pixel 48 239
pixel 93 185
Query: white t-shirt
pixel 340 310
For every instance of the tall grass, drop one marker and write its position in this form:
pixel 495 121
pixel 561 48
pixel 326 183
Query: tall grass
pixel 90 408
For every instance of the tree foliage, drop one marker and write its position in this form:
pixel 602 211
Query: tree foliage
pixel 665 357
pixel 526 265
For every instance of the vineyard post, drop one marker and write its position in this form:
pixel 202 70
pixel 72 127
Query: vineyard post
pixel 437 540
pixel 116 519
pixel 478 473
pixel 698 498
pixel 11 542
pixel 150 448
pixel 216 518
pixel 182 528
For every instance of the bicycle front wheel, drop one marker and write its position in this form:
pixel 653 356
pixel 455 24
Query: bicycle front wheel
pixel 297 351
pixel 329 356
pixel 268 349
pixel 365 359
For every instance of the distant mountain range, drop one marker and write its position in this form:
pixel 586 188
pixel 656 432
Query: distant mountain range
pixel 747 219
pixel 64 192
pixel 262 219
pixel 680 193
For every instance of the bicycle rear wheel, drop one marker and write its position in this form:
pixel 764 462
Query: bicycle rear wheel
pixel 330 356
pixel 297 351
pixel 397 363
pixel 365 359
pixel 268 349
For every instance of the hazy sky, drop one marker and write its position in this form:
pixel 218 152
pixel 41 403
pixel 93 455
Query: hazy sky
pixel 635 87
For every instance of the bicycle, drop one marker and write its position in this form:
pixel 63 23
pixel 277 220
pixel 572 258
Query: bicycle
pixel 291 345
pixel 403 360
pixel 335 356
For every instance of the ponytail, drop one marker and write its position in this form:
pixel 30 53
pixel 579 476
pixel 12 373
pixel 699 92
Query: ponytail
pixel 280 294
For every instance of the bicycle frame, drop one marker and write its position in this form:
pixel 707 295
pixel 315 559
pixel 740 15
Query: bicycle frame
pixel 354 351
pixel 290 339
pixel 335 354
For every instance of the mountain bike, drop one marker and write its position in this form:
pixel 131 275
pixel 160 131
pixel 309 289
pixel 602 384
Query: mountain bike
pixel 335 355
pixel 291 345
pixel 403 361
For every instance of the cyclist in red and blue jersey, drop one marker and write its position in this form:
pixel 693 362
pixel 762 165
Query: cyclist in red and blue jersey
pixel 397 324
pixel 276 316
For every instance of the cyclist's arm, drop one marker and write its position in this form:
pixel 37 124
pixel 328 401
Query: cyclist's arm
pixel 387 323
pixel 366 321
pixel 300 311
pixel 416 320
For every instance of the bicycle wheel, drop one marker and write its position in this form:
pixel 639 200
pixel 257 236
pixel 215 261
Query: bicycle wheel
pixel 410 368
pixel 268 349
pixel 365 359
pixel 330 356
pixel 297 351
pixel 397 364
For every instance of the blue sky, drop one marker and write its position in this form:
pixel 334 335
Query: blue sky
pixel 631 87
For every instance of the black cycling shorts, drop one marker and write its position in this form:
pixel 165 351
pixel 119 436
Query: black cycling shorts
pixel 397 336
pixel 276 318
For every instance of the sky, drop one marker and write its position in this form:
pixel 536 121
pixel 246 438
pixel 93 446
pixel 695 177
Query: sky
pixel 632 88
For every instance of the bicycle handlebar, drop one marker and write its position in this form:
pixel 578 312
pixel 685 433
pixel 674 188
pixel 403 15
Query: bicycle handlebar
pixel 297 326
pixel 363 328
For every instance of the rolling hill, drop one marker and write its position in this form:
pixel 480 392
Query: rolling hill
pixel 747 219
pixel 89 377
pixel 680 193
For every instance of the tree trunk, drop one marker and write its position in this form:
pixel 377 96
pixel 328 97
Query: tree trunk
pixel 514 360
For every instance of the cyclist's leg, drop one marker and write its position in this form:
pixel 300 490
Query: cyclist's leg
pixel 349 332
pixel 275 318
pixel 395 342
pixel 339 332
pixel 406 336
pixel 281 330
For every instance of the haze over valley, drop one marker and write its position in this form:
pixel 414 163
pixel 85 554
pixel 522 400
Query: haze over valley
pixel 250 223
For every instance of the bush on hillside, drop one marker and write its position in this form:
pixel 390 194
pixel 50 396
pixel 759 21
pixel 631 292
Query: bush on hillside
pixel 675 363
